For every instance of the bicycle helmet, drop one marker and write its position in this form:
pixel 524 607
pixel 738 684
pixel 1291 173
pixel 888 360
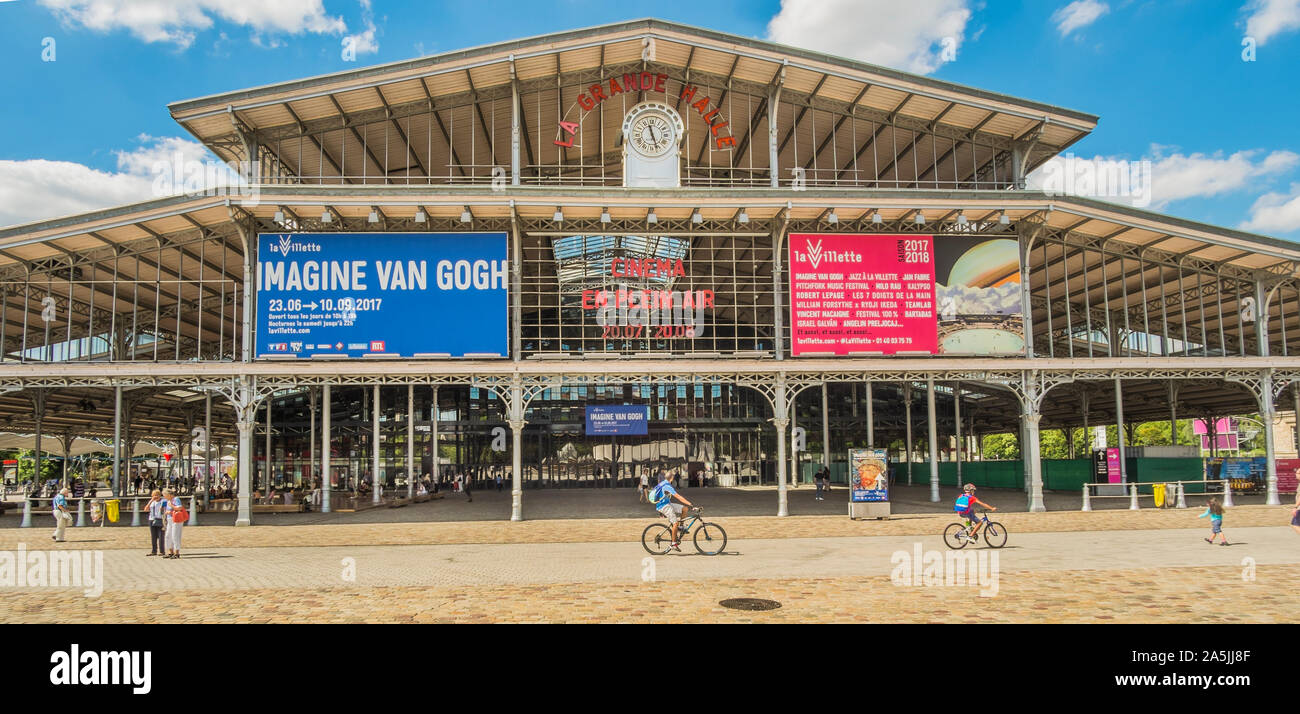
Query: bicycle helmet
pixel 968 487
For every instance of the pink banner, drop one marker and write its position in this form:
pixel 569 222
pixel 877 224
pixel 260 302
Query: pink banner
pixel 1287 472
pixel 862 293
pixel 1221 426
pixel 1112 464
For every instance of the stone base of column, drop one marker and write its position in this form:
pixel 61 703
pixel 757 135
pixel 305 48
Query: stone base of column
pixel 516 505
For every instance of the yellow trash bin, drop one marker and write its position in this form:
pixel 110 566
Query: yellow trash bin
pixel 113 508
pixel 1158 491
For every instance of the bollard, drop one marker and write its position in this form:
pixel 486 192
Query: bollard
pixel 1133 498
pixel 135 512
pixel 1182 499
pixel 27 514
pixel 81 512
pixel 194 513
pixel 1227 493
pixel 1087 505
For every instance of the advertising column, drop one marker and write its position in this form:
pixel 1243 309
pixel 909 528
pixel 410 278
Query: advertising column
pixel 868 483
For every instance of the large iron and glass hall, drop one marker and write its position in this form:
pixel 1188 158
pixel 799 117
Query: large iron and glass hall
pixel 737 238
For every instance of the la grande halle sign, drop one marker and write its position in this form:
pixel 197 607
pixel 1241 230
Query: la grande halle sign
pixel 649 82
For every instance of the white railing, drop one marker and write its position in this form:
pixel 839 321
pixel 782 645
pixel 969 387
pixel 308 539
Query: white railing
pixel 1176 488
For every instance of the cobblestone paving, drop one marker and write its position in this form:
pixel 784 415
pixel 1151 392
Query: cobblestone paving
pixel 1164 575
pixel 626 530
pixel 1164 595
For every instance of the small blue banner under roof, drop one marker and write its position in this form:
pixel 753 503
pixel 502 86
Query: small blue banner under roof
pixel 618 420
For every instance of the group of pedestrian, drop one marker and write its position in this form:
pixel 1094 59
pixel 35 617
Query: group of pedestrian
pixel 823 481
pixel 167 519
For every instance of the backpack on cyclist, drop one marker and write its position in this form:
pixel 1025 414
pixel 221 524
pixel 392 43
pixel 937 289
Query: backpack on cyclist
pixel 963 503
pixel 657 492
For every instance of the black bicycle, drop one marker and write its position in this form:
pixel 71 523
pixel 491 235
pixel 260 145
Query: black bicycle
pixel 709 538
pixel 958 535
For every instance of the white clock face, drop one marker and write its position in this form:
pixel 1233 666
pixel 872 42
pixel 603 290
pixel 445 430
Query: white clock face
pixel 652 135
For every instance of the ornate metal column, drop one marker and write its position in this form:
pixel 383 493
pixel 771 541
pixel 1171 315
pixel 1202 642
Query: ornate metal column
pixel 374 447
pixel 244 399
pixel 933 439
pixel 1030 401
pixel 780 420
pixel 515 407
pixel 907 418
pixel 410 441
pixel 325 449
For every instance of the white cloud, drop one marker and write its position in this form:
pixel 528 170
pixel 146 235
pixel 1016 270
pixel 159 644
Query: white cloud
pixel 178 21
pixel 1275 212
pixel 1196 175
pixel 1078 14
pixel 38 189
pixel 919 39
pixel 1162 178
pixel 364 42
pixel 1271 17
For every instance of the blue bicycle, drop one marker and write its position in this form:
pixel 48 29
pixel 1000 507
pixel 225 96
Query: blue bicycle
pixel 958 535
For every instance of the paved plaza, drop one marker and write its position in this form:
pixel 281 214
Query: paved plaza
pixel 1122 566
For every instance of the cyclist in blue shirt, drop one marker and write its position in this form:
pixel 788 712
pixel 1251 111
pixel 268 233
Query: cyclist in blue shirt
pixel 662 496
pixel 965 506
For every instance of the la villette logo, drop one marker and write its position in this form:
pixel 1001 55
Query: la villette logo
pixel 815 253
pixel 287 246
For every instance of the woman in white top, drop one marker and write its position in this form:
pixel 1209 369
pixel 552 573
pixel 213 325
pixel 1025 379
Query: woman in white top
pixel 172 536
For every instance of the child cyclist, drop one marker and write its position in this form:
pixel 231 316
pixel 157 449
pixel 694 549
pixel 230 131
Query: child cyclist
pixel 965 507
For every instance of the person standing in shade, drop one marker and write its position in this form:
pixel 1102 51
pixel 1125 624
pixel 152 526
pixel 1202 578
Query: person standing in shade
pixel 817 479
pixel 61 515
pixel 157 512
pixel 499 482
pixel 468 488
pixel 643 489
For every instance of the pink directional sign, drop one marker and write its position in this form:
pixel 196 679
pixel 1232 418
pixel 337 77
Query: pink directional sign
pixel 856 293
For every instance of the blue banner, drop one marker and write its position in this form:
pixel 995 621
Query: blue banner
pixel 391 294
pixel 618 420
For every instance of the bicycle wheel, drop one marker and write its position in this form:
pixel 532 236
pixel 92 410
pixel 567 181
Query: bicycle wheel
pixel 994 534
pixel 656 539
pixel 951 536
pixel 710 539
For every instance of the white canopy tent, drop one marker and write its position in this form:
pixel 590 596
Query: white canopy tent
pixel 53 445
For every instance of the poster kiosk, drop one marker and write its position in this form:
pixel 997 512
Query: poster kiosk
pixel 868 483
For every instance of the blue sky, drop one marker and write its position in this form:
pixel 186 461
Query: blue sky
pixel 1167 78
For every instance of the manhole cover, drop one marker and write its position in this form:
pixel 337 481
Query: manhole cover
pixel 750 603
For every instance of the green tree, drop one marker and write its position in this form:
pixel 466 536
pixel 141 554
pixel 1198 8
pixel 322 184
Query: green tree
pixel 1001 447
pixel 50 468
pixel 1053 445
